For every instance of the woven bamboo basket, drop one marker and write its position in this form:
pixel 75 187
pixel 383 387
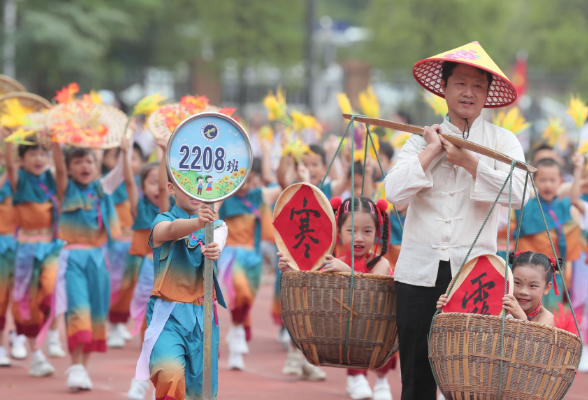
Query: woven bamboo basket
pixel 91 115
pixel 29 100
pixel 8 85
pixel 315 309
pixel 156 121
pixel 38 118
pixel 539 361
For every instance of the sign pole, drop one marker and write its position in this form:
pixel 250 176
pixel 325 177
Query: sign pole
pixel 208 317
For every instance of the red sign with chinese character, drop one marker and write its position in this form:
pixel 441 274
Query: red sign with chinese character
pixel 305 228
pixel 481 292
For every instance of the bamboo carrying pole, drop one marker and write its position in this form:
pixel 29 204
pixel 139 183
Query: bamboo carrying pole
pixel 208 317
pixel 464 144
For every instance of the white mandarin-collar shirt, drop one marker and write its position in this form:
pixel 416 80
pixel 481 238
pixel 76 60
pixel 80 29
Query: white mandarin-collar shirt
pixel 447 205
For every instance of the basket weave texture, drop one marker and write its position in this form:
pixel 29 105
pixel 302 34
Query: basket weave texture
pixel 156 122
pixel 315 308
pixel 7 85
pixel 539 361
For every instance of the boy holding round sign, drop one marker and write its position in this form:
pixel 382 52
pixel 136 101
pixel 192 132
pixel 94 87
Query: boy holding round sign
pixel 180 350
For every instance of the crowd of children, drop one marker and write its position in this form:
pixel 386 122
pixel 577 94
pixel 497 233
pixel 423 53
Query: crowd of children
pixel 94 244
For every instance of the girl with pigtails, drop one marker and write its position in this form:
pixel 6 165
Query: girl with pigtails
pixel 371 224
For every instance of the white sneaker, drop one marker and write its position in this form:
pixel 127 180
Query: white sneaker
pixel 78 378
pixel 358 387
pixel 123 331
pixel 311 372
pixel 115 339
pixel 54 348
pixel 236 361
pixel 40 366
pixel 4 359
pixel 284 338
pixel 237 341
pixel 583 367
pixel 138 389
pixel 293 365
pixel 382 391
pixel 18 349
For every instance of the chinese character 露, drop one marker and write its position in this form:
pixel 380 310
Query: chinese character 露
pixel 304 228
pixel 480 295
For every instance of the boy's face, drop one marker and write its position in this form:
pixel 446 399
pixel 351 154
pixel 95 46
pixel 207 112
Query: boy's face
pixel 136 162
pixel 183 201
pixel 315 166
pixel 83 169
pixel 548 180
pixel 35 161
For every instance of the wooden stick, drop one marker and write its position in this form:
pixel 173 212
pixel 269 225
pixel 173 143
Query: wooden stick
pixel 460 142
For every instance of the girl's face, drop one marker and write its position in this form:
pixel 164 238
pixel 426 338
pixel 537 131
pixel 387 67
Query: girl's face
pixel 136 162
pixel 209 180
pixel 83 170
pixel 110 158
pixel 529 286
pixel 364 235
pixel 151 186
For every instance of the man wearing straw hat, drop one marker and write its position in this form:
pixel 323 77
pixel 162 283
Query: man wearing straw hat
pixel 450 191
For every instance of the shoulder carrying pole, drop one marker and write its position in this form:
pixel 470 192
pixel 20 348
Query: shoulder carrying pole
pixel 208 317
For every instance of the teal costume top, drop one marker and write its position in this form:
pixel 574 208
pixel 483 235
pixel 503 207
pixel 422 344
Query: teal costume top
pixel 5 191
pixel 35 189
pixel 120 194
pixel 249 204
pixel 532 222
pixel 179 265
pixel 395 230
pixel 88 215
pixel 326 189
pixel 146 213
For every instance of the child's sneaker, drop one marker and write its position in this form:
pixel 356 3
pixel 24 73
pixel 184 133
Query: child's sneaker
pixel 18 350
pixel 294 362
pixel 123 331
pixel 311 372
pixel 236 340
pixel 78 378
pixel 583 367
pixel 358 387
pixel 4 359
pixel 115 339
pixel 382 390
pixel 284 338
pixel 236 361
pixel 138 389
pixel 40 366
pixel 54 348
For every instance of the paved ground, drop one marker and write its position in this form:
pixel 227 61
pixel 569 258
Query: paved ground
pixel 112 372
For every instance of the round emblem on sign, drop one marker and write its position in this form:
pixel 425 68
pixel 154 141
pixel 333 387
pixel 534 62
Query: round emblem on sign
pixel 210 132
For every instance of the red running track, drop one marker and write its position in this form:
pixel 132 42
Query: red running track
pixel 111 372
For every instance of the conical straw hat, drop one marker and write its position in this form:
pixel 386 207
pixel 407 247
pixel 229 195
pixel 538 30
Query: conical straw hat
pixel 428 73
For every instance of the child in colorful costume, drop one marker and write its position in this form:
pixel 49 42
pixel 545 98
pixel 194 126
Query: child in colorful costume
pixel 370 219
pixel 36 212
pixel 88 220
pixel 565 232
pixel 7 253
pixel 240 263
pixel 173 347
pixel 123 271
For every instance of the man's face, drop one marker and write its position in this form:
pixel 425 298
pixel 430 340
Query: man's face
pixel 548 180
pixel 466 91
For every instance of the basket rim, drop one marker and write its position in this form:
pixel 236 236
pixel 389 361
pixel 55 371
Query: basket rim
pixel 511 320
pixel 347 274
pixel 42 102
pixel 11 81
